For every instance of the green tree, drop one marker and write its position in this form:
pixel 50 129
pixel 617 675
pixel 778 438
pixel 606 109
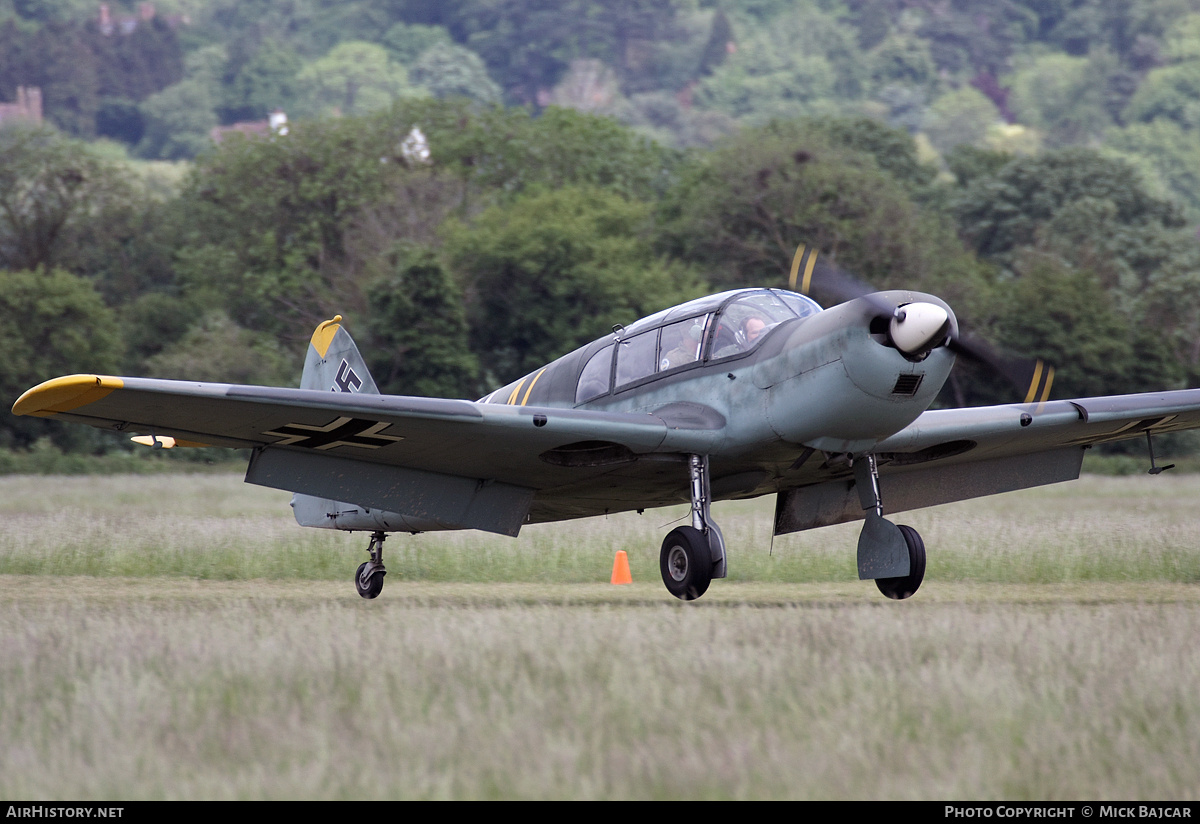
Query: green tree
pixel 893 150
pixel 265 221
pixel 958 117
pixel 1093 214
pixel 1003 213
pixel 217 349
pixel 447 70
pixel 286 232
pixel 528 44
pixel 741 212
pixel 406 43
pixel 967 163
pixel 265 82
pixel 904 59
pixel 792 68
pixel 354 78
pixel 1062 96
pixel 1065 316
pixel 178 119
pixel 52 323
pixel 971 37
pixel 1125 27
pixel 1168 152
pixel 51 187
pixel 1172 93
pixel 553 270
pixel 150 323
pixel 133 66
pixel 1183 40
pixel 418 342
pixel 58 60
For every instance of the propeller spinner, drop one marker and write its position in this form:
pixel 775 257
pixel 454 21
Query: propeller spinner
pixel 918 328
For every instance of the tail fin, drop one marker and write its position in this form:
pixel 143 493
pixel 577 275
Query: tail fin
pixel 333 362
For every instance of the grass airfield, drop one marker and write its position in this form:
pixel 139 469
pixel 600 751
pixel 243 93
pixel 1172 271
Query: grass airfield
pixel 179 637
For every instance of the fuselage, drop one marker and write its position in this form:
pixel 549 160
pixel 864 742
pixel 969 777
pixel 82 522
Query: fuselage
pixel 811 378
pixel 762 377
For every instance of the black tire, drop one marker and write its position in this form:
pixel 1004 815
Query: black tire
pixel 373 587
pixel 906 586
pixel 686 563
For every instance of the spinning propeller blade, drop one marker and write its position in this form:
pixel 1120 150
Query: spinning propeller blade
pixel 1032 377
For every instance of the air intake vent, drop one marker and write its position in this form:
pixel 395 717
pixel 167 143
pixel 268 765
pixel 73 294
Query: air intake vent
pixel 908 384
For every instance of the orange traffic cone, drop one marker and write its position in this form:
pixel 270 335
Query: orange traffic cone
pixel 620 573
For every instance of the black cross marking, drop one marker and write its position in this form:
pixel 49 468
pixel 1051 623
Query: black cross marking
pixel 339 432
pixel 347 380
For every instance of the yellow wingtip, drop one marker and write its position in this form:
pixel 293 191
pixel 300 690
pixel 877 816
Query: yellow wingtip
pixel 323 336
pixel 64 394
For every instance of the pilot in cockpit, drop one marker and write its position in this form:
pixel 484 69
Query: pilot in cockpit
pixel 752 329
pixel 687 348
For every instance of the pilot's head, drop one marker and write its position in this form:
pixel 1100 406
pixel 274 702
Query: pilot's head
pixel 753 327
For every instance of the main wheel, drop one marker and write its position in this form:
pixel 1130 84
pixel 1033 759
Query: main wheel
pixel 686 563
pixel 906 585
pixel 374 585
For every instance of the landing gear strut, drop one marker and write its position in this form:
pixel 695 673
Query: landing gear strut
pixel 894 556
pixel 693 555
pixel 369 578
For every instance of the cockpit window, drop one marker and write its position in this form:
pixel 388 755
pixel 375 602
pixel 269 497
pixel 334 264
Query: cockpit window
pixel 680 343
pixel 745 322
pixel 593 381
pixel 802 305
pixel 635 357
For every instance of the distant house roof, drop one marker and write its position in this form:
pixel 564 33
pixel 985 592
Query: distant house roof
pixel 275 124
pixel 27 109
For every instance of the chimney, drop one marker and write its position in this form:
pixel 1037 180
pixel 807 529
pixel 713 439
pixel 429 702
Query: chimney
pixel 33 102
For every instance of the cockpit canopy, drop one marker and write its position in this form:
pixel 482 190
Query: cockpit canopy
pixel 706 330
pixel 709 329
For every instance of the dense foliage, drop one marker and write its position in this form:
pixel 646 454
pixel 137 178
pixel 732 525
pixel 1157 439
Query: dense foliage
pixel 1033 163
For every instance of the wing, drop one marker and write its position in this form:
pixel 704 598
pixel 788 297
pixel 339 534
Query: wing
pixel 458 463
pixel 954 454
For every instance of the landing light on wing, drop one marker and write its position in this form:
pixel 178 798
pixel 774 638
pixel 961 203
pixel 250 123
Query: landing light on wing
pixel 918 327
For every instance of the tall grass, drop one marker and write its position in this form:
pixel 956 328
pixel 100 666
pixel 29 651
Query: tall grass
pixel 215 527
pixel 252 696
pixel 146 652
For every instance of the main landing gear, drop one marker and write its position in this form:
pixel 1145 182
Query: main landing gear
pixel 369 578
pixel 906 585
pixel 693 555
pixel 891 555
pixel 894 556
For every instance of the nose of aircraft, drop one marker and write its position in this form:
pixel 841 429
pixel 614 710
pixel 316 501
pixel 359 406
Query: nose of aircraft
pixel 918 327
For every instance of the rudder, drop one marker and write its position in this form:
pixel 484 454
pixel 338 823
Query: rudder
pixel 333 362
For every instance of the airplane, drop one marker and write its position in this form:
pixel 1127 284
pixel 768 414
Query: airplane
pixel 740 394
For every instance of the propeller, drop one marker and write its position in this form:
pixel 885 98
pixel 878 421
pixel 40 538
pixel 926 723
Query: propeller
pixel 917 328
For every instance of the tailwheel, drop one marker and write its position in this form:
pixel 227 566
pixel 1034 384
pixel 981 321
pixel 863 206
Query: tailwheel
pixel 369 578
pixel 906 585
pixel 686 563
